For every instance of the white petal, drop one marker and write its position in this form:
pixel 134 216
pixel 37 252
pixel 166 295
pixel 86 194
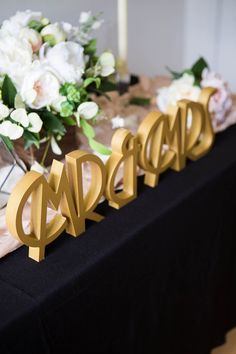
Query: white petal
pixel 16 132
pixel 11 130
pixel 20 115
pixel 19 102
pixel 5 127
pixel 87 110
pixel 36 122
pixel 107 70
pixel 107 59
pixel 55 146
pixel 4 111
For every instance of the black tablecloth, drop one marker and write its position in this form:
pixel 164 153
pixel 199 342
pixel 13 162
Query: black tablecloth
pixel 157 276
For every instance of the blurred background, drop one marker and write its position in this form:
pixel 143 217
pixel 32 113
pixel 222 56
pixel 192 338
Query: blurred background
pixel 160 32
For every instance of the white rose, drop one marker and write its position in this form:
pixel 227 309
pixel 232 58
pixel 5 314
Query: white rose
pixel 106 64
pixel 15 58
pixel 53 33
pixel 15 23
pixel 67 59
pixel 33 37
pixel 40 87
pixel 182 88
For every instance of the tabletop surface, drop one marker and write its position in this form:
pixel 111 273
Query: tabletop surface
pixel 169 253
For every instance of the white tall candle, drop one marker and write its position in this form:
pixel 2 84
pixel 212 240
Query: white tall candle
pixel 123 33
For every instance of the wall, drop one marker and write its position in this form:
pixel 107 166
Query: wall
pixel 161 32
pixel 210 30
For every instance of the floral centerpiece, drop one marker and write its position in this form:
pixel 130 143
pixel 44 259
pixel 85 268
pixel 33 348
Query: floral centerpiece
pixel 188 84
pixel 47 71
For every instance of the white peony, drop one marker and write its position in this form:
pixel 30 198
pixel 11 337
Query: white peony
pixel 40 86
pixel 67 59
pixel 33 37
pixel 15 58
pixel 15 23
pixel 182 88
pixel 53 33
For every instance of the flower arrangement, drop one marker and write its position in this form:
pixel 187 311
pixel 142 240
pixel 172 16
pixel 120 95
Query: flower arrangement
pixel 188 85
pixel 47 71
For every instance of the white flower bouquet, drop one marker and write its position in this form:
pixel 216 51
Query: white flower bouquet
pixel 47 71
pixel 188 85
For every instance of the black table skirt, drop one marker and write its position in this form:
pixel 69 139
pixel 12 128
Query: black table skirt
pixel 157 276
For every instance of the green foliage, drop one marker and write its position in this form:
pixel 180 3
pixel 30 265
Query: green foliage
pixel 87 129
pixel 196 70
pixel 67 109
pixel 7 141
pixel 91 80
pixel 69 121
pixel 36 25
pixel 50 39
pixel 73 94
pixel 96 146
pixel 107 86
pixel 8 92
pixel 140 101
pixel 30 139
pixel 52 124
pixel 91 48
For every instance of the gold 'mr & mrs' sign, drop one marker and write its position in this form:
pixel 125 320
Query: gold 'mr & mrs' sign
pixel 64 187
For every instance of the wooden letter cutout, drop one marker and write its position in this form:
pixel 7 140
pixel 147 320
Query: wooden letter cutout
pixel 198 140
pixel 124 150
pixel 156 130
pixel 85 205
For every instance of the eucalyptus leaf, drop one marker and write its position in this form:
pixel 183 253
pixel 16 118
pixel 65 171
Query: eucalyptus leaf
pixel 96 146
pixel 87 129
pixel 8 92
pixel 69 121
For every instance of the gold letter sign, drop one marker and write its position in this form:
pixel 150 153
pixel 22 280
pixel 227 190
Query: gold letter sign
pixel 162 141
